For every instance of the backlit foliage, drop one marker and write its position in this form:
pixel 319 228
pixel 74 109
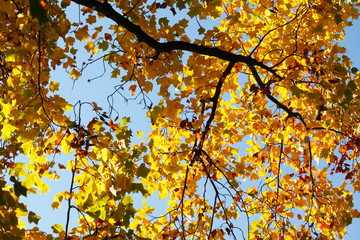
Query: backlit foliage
pixel 252 128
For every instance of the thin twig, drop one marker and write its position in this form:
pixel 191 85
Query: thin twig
pixel 73 172
pixel 181 205
pixel 279 168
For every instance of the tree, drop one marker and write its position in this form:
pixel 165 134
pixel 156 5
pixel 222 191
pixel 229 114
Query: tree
pixel 268 76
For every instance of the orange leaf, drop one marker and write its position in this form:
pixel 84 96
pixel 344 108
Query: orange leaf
pixel 132 88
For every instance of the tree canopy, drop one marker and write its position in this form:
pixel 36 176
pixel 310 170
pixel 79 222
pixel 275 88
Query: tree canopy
pixel 252 128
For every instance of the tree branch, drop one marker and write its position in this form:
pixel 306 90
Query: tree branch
pixel 216 96
pixel 106 9
pixel 73 172
pixel 262 86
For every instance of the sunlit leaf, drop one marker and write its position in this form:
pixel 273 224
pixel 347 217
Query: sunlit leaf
pixel 57 228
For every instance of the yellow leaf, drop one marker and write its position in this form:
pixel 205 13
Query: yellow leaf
pixel 68 107
pixel 6 131
pixel 66 143
pixel 106 154
pixel 39 159
pixel 74 73
pixel 10 58
pixel 21 224
pixel 140 134
pixel 6 109
pixel 57 228
pixel 54 86
pixel 89 46
pixel 127 200
pixel 262 172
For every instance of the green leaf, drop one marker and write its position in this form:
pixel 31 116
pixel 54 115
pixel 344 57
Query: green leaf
pixel 338 18
pixel 352 85
pixel 137 187
pixel 164 22
pixel 338 7
pixel 296 91
pixel 135 153
pixel 354 70
pixel 88 202
pixel 349 220
pixel 103 45
pixel 345 104
pixel 127 200
pixel 125 120
pixel 37 11
pixel 70 124
pixel 33 218
pixel 348 94
pixel 18 188
pixel 180 4
pixel 143 149
pixel 143 171
pixel 201 30
pixel 57 228
pixel 94 215
pixel 115 73
pixel 340 69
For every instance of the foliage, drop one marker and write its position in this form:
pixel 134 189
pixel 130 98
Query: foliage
pixel 268 76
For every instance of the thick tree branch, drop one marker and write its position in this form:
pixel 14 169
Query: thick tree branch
pixel 215 101
pixel 106 9
pixel 217 94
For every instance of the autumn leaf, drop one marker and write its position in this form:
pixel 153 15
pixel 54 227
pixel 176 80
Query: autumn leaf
pixel 54 86
pixel 33 218
pixel 82 33
pixel 132 88
pixel 57 228
pixel 7 130
pixel 74 73
pixel 143 171
pixel 18 188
